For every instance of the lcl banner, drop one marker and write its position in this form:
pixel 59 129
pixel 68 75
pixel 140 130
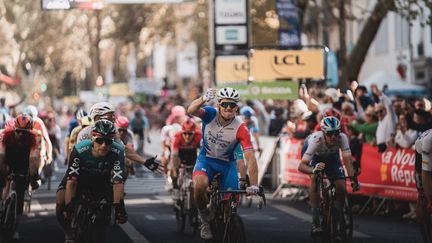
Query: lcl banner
pixel 390 174
pixel 231 69
pixel 266 65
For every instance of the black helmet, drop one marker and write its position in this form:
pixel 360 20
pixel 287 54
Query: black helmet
pixel 104 128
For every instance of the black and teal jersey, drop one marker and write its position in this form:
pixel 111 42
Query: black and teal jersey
pixel 91 171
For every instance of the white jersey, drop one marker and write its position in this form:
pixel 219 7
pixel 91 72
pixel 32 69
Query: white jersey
pixel 168 132
pixel 84 134
pixel 316 145
pixel 423 146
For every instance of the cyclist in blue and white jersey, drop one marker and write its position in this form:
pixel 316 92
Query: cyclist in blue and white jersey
pixel 321 152
pixel 222 131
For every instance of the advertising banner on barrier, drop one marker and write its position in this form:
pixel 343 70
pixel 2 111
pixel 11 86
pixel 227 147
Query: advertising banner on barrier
pixel 268 146
pixel 390 174
pixel 290 160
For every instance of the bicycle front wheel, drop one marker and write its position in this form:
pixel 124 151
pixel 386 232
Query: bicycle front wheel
pixel 347 221
pixel 180 218
pixel 9 223
pixel 234 230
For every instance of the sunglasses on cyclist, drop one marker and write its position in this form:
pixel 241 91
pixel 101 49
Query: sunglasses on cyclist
pixel 188 133
pixel 22 131
pixel 225 105
pixel 332 133
pixel 107 141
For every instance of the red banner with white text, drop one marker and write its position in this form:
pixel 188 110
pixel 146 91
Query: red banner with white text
pixel 390 174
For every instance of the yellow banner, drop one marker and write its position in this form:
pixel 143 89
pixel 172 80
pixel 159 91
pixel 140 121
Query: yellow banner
pixel 71 100
pixel 119 89
pixel 231 69
pixel 279 64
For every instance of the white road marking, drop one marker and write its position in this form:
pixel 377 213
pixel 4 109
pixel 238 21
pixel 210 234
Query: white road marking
pixel 139 201
pixel 37 207
pixel 133 233
pixel 307 217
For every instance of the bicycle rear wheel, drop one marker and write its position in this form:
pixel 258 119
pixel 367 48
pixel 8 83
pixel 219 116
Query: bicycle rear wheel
pixel 234 230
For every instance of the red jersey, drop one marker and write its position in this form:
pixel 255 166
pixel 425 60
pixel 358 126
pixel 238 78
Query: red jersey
pixel 186 151
pixel 17 153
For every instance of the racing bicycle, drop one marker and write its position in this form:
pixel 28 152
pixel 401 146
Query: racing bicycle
pixel 226 224
pixel 90 218
pixel 186 211
pixel 12 206
pixel 337 223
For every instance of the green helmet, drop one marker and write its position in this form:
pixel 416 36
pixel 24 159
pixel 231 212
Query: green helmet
pixel 104 128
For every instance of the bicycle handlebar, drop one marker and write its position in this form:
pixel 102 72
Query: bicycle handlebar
pixel 261 194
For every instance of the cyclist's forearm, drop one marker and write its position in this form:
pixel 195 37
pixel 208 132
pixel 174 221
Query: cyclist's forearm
pixel 252 167
pixel 304 167
pixel 195 106
pixel 256 135
pixel 132 155
pixel 348 165
pixel 118 192
pixel 70 191
pixel 175 160
pixel 34 163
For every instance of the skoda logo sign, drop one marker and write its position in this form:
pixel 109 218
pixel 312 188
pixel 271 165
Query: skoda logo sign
pixel 255 90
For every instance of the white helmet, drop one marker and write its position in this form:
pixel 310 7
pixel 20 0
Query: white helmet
pixel 31 110
pixel 100 109
pixel 228 93
pixel 80 114
pixel 329 124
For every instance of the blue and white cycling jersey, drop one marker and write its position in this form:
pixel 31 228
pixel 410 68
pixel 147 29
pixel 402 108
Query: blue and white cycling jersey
pixel 316 150
pixel 219 143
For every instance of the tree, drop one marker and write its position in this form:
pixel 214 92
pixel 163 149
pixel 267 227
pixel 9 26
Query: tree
pixel 337 14
pixel 358 55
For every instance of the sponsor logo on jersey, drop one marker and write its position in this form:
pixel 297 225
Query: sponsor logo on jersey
pixel 80 150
